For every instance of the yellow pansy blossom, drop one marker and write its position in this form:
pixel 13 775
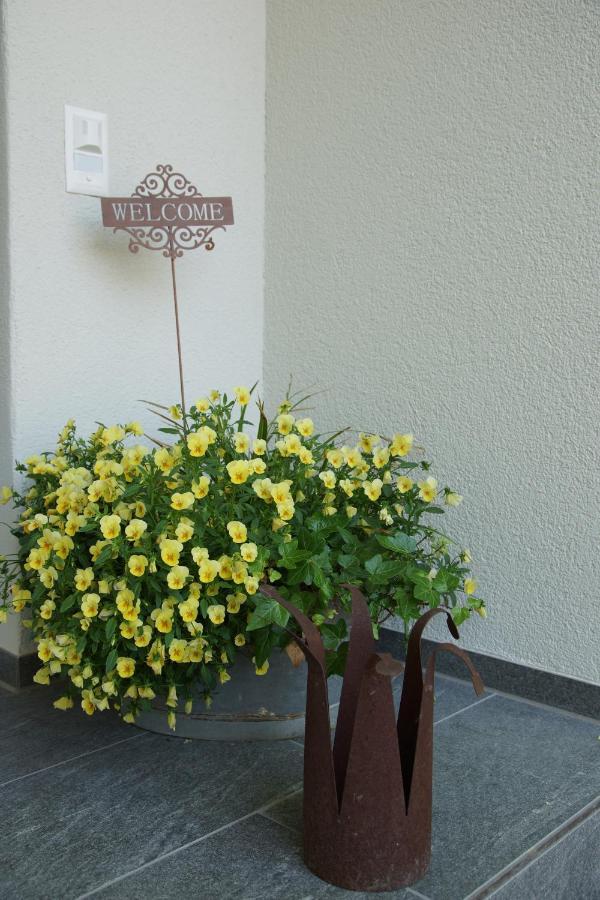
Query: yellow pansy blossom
pixel 188 610
pixel 237 532
pixel 328 478
pixel 259 466
pixel 202 405
pixel 197 443
pixel 263 487
pixel 286 509
pixel 164 621
pixel 169 552
pixel 48 576
pixel 239 470
pixel 280 492
pixel 305 456
pixel 251 584
pixel 285 423
pixel 259 447
pixel 335 458
pixel 177 651
pixel 156 657
pixel 185 530
pixel 367 442
pixel 198 554
pixel 177 577
pixel 242 395
pixel 110 526
pixel 208 570
pixel 37 558
pixel 89 605
pixel 182 501
pixel 428 490
pixel 200 487
pixel 216 613
pixel 137 565
pixel 261 670
pixel 164 460
pixel 63 703
pixel 248 552
pixel 42 676
pixel 401 444
pixel 453 499
pixel 381 457
pixel 47 608
pixel 125 666
pixel 135 529
pixel 144 637
pixel 239 640
pixel 5 495
pixel 305 427
pixel 470 586
pixel 241 442
pixel 404 484
pixel 373 488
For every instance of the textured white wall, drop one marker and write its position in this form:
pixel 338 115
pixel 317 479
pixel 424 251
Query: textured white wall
pixel 432 241
pixel 91 325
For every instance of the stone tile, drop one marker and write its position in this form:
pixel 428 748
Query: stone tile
pixel 34 735
pixel 506 774
pixel 80 824
pixel 287 812
pixel 568 870
pixel 254 860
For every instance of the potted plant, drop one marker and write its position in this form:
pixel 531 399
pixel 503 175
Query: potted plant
pixel 141 564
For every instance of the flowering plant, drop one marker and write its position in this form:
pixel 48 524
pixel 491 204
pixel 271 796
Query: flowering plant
pixel 141 566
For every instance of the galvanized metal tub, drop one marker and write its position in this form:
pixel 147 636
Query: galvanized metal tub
pixel 250 707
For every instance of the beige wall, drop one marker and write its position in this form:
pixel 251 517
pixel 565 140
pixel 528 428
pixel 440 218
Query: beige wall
pixel 432 251
pixel 91 325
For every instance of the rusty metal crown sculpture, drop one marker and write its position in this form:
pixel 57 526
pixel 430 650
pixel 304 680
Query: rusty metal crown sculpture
pixel 367 801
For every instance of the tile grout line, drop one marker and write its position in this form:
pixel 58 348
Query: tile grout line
pixel 537 851
pixel 417 894
pixel 189 844
pixel 465 708
pixel 63 762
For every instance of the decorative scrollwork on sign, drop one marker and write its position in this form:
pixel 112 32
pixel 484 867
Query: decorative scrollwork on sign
pixel 166 212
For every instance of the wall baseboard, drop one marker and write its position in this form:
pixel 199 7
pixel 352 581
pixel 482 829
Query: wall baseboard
pixel 17 671
pixel 575 696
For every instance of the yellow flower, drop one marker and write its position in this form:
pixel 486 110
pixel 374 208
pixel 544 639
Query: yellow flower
pixel 164 460
pixel 203 404
pixel 251 584
pixel 182 501
pixel 285 423
pixel 335 458
pixel 261 670
pixel 401 444
pixel 177 577
pixel 239 470
pixel 214 396
pixel 87 704
pixel 239 640
pixel 280 492
pixel 185 530
pixel 127 630
pixel 125 666
pixel 259 447
pixel 351 511
pixel 42 676
pixel 470 586
pixel 172 720
pixel 110 526
pixel 453 499
pixel 381 457
pixel 188 610
pixel 305 427
pixel 164 621
pixel 63 703
pixel 169 552
pixel 404 484
pixel 328 478
pixel 47 608
pixel 241 442
pixel 144 638
pixel 305 456
pixel 89 605
pixel 248 552
pixel 372 489
pixel 197 443
pixel 64 545
pixel 465 556
pixel 262 487
pixel 156 657
pixel 5 495
pixel 200 487
pixel 366 442
pixel 428 490
pixel 224 676
pixel 259 466
pixel 37 558
pixel 177 651
pixel 137 565
pixel 48 576
pixel 198 554
pixel 216 613
pixel 242 395
pixel 286 509
pixel 175 413
pixel 146 693
pixel 135 529
pixel 237 532
pixel 208 570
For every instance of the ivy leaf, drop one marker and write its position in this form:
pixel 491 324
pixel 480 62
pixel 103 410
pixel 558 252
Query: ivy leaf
pixel 267 612
pixel 398 543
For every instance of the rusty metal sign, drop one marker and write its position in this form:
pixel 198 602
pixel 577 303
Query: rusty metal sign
pixel 367 799
pixel 166 212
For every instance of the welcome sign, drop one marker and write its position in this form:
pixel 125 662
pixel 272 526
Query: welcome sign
pixel 166 211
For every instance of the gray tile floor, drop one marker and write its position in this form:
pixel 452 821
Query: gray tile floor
pixel 92 807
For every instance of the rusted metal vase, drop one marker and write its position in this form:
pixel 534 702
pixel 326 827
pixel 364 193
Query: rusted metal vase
pixel 367 799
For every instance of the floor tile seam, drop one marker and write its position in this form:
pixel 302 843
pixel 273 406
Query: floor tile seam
pixel 69 759
pixel 161 857
pixel 537 851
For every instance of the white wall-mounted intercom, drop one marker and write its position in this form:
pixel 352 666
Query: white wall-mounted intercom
pixel 86 151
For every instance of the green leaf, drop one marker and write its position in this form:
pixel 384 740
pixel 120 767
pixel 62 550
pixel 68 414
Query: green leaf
pixel 110 628
pixel 104 555
pixel 374 564
pixel 111 661
pixel 398 543
pixel 68 602
pixel 267 612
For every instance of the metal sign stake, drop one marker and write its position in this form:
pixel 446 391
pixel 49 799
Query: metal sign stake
pixel 166 212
